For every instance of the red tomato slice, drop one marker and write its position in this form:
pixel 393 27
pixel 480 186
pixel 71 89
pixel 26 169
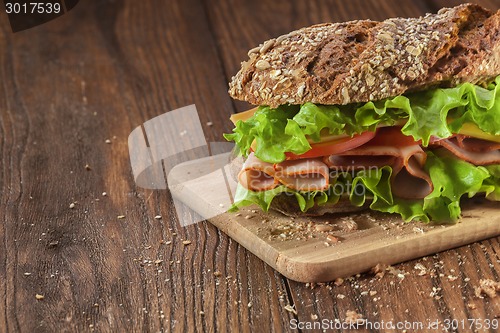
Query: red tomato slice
pixel 334 146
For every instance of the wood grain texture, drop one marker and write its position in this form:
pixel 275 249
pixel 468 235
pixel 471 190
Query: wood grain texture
pixel 97 73
pixel 68 86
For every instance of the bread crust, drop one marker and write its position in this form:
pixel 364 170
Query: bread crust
pixel 361 61
pixel 287 205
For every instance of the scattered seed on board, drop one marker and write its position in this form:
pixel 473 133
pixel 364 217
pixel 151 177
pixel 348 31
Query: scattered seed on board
pixel 324 227
pixel 338 282
pixel 120 217
pixel 72 205
pixel 332 238
pixel 290 308
pixel 39 297
pixel 186 242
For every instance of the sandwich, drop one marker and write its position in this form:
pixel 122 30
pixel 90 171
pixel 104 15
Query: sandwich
pixel 401 116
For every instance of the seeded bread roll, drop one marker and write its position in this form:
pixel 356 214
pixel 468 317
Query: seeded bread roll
pixel 361 61
pixel 288 206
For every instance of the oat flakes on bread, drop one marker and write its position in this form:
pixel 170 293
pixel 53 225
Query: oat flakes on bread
pixel 361 61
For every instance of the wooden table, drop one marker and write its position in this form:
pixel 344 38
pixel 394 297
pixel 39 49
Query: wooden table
pixel 94 75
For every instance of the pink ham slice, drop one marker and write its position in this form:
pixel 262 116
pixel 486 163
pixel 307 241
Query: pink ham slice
pixel 475 151
pixel 257 175
pixel 476 145
pixel 303 174
pixel 408 179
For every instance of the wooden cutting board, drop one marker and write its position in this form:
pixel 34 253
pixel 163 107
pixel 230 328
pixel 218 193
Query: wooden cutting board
pixel 323 248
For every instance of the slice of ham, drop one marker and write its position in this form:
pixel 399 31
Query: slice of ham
pixel 472 150
pixel 476 145
pixel 303 175
pixel 405 157
pixel 257 175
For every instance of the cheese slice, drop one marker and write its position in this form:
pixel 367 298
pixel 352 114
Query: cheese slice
pixel 243 116
pixel 472 130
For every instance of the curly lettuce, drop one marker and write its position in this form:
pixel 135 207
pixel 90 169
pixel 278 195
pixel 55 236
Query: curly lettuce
pixel 436 112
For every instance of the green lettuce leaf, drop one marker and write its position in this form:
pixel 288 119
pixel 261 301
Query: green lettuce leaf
pixel 305 200
pixel 452 179
pixel 491 186
pixel 313 118
pixel 442 112
pixel 378 187
pixel 274 132
pixel 436 112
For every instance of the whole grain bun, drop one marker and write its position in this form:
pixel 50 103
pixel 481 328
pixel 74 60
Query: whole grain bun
pixel 288 206
pixel 359 61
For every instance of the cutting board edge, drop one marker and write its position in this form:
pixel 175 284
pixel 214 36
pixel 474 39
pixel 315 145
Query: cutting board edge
pixel 301 271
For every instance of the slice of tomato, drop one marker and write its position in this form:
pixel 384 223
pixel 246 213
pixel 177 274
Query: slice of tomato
pixel 334 146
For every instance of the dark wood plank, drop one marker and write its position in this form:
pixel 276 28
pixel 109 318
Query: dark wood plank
pixel 93 75
pixel 490 4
